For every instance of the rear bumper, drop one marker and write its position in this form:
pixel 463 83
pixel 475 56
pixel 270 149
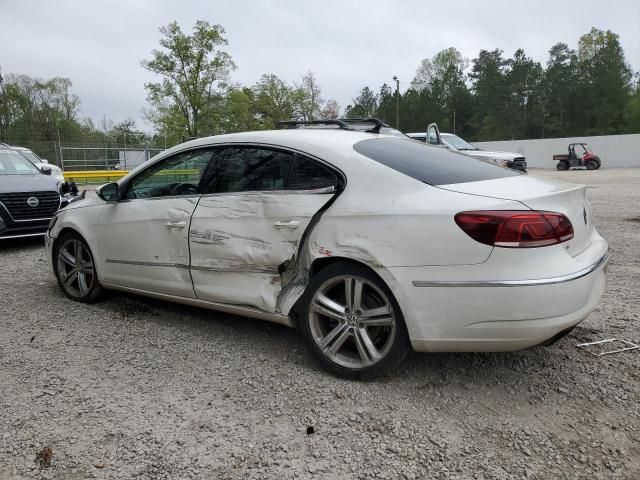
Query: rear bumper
pixel 500 315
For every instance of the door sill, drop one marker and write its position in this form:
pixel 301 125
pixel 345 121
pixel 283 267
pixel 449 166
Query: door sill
pixel 241 310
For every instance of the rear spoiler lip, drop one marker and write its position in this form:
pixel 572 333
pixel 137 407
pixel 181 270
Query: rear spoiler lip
pixel 455 187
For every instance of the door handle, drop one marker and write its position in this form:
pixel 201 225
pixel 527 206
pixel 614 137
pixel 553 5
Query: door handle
pixel 292 224
pixel 176 224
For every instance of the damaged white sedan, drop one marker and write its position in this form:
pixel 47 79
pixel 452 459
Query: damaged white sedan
pixel 368 244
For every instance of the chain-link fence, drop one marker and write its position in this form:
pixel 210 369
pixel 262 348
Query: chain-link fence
pixel 104 158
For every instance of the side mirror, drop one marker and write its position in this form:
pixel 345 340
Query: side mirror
pixel 45 169
pixel 108 192
pixel 44 160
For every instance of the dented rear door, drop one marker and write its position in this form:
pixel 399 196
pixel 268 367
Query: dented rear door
pixel 245 236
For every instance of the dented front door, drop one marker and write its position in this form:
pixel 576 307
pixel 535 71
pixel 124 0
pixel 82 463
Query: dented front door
pixel 245 234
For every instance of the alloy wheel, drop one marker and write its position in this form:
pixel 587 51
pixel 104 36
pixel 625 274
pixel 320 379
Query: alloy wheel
pixel 352 321
pixel 75 268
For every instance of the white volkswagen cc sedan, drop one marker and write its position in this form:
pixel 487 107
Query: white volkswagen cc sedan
pixel 368 244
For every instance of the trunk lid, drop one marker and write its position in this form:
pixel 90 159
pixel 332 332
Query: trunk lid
pixel 540 194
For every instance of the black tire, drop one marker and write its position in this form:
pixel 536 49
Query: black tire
pixel 592 165
pixel 76 272
pixel 562 166
pixel 370 344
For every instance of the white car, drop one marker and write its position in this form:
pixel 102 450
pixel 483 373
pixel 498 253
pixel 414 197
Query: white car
pixel 368 244
pixel 516 161
pixel 56 172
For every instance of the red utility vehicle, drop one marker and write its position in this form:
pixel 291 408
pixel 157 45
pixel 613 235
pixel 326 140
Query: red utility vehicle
pixel 584 157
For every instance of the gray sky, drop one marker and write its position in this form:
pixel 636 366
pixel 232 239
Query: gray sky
pixel 348 44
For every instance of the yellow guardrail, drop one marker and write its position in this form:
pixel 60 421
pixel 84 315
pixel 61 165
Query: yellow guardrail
pixel 90 176
pixel 106 175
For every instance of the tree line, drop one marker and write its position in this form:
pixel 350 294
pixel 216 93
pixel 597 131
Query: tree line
pixel 590 90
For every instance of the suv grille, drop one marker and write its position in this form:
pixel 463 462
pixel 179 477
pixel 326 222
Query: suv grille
pixel 17 206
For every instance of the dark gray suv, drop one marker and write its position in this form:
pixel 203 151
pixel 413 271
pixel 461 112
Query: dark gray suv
pixel 29 196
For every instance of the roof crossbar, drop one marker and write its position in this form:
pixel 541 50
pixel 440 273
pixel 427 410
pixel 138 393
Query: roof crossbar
pixel 378 124
pixel 302 123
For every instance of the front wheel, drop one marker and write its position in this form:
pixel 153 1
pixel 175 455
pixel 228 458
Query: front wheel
pixel 75 269
pixel 592 165
pixel 351 322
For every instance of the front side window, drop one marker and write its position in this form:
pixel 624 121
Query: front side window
pixel 175 176
pixel 246 169
pixel 12 163
pixel 428 164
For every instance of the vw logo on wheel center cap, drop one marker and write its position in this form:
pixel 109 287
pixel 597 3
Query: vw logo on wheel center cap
pixel 352 319
pixel 33 202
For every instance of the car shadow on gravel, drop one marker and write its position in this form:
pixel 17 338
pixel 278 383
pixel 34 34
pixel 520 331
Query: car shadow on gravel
pixel 14 244
pixel 278 343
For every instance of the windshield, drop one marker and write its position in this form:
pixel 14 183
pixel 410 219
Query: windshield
pixel 429 164
pixel 12 163
pixel 29 155
pixel 456 142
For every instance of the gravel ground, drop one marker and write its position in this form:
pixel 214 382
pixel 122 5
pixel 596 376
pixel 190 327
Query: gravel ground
pixel 136 388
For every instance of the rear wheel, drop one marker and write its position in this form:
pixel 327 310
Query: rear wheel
pixel 75 269
pixel 592 164
pixel 351 322
pixel 562 166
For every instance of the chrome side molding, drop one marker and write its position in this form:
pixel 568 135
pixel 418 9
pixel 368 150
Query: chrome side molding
pixel 602 261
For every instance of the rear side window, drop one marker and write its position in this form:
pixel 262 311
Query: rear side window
pixel 428 164
pixel 246 169
pixel 309 175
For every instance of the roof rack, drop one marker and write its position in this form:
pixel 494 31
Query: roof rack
pixel 301 123
pixel 378 124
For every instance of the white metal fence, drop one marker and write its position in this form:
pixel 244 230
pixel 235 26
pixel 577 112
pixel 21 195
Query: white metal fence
pixel 613 150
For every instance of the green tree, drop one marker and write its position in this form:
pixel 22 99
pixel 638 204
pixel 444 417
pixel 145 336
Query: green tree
pixel 307 98
pixel 606 80
pixel 525 80
pixel 562 78
pixel 442 92
pixel 632 109
pixel 364 105
pixel 491 95
pixel 194 70
pixel 274 101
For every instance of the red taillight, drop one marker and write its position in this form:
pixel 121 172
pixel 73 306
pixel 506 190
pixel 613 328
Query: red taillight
pixel 515 228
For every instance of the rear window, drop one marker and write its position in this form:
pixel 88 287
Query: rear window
pixel 428 164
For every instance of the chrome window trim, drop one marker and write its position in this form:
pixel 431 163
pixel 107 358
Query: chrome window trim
pixel 317 191
pixel 602 261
